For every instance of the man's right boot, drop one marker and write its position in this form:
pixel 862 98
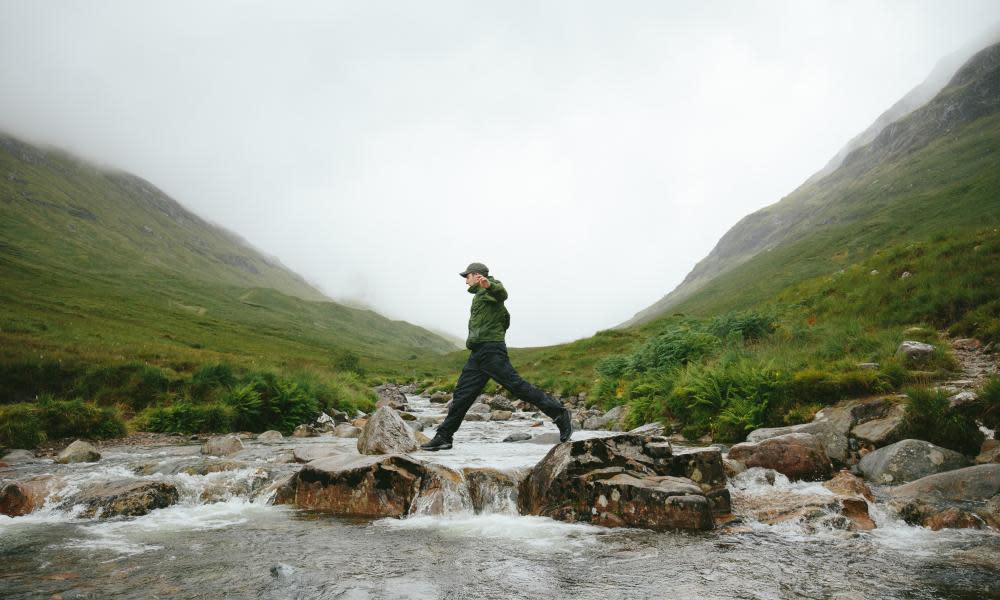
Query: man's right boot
pixel 565 424
pixel 438 443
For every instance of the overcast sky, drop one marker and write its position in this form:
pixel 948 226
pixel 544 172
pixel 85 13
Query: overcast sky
pixel 588 152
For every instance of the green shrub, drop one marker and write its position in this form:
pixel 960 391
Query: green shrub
pixel 674 347
pixel 76 418
pixel 212 379
pixel 929 417
pixel 988 403
pixel 267 402
pixel 21 426
pixel 726 399
pixel 186 417
pixel 135 385
pixel 746 326
pixel 613 366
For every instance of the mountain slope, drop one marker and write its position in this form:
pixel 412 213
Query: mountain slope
pixel 931 170
pixel 98 262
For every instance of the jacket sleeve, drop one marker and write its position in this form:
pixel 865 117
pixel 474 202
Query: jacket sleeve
pixel 497 290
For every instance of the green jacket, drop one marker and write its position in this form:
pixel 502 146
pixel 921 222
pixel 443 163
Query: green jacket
pixel 489 319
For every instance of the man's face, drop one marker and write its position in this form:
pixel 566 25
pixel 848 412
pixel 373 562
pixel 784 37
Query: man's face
pixel 472 279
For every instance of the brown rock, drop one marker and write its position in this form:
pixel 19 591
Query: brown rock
pixel 846 484
pixel 19 498
pixel 78 451
pixel 781 506
pixel 624 480
pixel 222 445
pixel 124 498
pixel 796 455
pixel 989 452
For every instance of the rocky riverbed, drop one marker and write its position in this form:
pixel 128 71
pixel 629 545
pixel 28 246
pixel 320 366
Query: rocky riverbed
pixel 171 517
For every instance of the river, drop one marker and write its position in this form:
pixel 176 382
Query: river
pixel 225 540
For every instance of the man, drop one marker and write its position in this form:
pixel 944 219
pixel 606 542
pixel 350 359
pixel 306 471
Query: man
pixel 487 325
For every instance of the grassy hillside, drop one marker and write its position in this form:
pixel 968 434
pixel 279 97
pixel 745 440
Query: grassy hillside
pixel 107 279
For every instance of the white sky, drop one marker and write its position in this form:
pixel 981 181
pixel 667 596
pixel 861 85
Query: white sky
pixel 588 152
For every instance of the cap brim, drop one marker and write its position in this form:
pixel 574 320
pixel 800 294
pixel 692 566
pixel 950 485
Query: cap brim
pixel 466 274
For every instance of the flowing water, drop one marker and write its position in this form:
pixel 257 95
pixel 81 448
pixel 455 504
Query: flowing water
pixel 224 540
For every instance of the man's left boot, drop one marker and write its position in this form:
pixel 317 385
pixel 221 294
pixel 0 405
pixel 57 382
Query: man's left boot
pixel 565 424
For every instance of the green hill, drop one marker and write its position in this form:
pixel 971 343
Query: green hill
pixel 934 170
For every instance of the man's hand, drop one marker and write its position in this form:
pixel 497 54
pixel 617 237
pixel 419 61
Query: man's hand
pixel 482 281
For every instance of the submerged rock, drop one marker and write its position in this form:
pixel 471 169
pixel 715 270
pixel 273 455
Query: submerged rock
pixel 14 457
pixel 304 454
pixel 125 498
pixel 624 480
pixel 493 490
pixel 908 460
pixel 795 455
pixel 78 451
pixel 386 433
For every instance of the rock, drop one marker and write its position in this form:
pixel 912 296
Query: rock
pixel 498 402
pixel 551 437
pixel 386 433
pixel 883 431
pixel 831 431
pixel 421 437
pixel 914 353
pixel 500 415
pixel 18 498
pixel 359 422
pixel 440 397
pixel 732 467
pixel 415 425
pixel 222 445
pixel 967 497
pixel 282 571
pixel 324 419
pixel 968 344
pixel 795 455
pixel 390 395
pixel 78 451
pixel 406 416
pixel 471 416
pixel 305 454
pixel 908 460
pixel 18 456
pixel 961 399
pixel 649 429
pixel 519 436
pixel 989 452
pixel 847 484
pixel 124 498
pixel 624 480
pixel 609 420
pixel 270 436
pixel 479 408
pixel 868 366
pixel 346 430
pixel 304 431
pixel 368 486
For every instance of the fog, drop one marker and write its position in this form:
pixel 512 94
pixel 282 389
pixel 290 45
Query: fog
pixel 588 152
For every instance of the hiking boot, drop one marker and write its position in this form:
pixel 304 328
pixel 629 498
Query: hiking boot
pixel 565 424
pixel 438 443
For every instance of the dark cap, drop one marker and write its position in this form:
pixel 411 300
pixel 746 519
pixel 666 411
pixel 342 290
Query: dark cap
pixel 475 268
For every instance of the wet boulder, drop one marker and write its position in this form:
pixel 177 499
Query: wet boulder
pixel 440 397
pixel 311 452
pixel 795 455
pixel 518 436
pixel 649 429
pixel 346 430
pixel 18 498
pixel 124 498
pixel 830 427
pixel 623 480
pixel 908 460
pixel 847 484
pixel 371 486
pixel 500 415
pixel 14 457
pixel 962 498
pixel 612 420
pixel 78 451
pixel 386 432
pixel 493 490
pixel 222 445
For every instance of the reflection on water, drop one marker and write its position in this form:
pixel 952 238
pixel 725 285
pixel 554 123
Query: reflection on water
pixel 236 545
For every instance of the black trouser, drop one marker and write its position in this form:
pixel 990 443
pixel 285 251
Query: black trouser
pixel 489 359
